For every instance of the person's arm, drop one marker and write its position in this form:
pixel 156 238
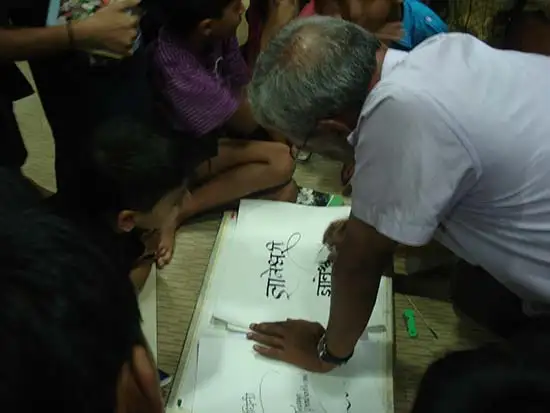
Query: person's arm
pixel 281 12
pixel 111 28
pixel 140 274
pixel 199 101
pixel 411 169
pixel 370 14
pixel 362 257
pixel 23 44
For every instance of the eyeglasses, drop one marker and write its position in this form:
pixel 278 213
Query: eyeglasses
pixel 299 153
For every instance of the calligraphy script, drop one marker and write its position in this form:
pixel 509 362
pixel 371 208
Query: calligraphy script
pixel 249 403
pixel 276 287
pixel 303 399
pixel 323 279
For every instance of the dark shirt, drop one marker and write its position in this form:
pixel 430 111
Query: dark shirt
pixel 123 249
pixel 78 95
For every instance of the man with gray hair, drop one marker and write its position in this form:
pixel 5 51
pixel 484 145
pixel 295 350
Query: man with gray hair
pixel 451 141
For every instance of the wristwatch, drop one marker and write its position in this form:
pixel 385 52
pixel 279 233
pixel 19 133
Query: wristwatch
pixel 326 356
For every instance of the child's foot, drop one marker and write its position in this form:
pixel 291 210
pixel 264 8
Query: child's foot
pixel 164 378
pixel 165 250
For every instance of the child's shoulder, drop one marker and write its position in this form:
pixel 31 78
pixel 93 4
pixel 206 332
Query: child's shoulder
pixel 420 22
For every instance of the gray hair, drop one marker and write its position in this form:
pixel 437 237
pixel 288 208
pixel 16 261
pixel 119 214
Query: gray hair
pixel 315 68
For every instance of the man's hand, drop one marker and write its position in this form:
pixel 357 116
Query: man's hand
pixel 111 28
pixel 334 237
pixel 292 341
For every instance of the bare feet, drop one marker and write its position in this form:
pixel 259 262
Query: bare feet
pixel 165 250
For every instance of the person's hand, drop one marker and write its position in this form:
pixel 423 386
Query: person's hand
pixel 292 341
pixel 150 240
pixel 111 29
pixel 334 237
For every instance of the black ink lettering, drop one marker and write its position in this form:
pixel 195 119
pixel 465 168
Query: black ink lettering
pixel 276 283
pixel 323 279
pixel 276 288
pixel 249 403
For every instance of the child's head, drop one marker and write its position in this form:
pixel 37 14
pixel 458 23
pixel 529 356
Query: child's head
pixel 513 377
pixel 71 327
pixel 207 19
pixel 133 176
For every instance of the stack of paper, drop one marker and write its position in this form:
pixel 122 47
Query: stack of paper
pixel 275 268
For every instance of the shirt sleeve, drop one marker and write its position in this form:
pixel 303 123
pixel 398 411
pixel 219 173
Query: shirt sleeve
pixel 411 169
pixel 238 72
pixel 199 102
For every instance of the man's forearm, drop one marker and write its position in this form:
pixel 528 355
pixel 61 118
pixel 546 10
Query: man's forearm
pixel 23 44
pixel 353 296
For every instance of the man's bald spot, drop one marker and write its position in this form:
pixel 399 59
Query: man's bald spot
pixel 306 47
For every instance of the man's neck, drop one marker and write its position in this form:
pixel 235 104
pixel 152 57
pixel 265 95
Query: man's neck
pixel 380 56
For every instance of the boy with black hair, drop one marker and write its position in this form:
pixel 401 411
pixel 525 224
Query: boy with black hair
pixel 71 330
pixel 201 75
pixel 133 181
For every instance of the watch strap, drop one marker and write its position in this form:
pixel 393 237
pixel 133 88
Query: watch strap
pixel 326 356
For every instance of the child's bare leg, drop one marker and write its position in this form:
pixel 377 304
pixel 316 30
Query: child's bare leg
pixel 241 169
pixel 168 238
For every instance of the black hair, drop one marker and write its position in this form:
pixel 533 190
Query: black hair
pixel 129 166
pixel 513 376
pixel 17 193
pixel 182 17
pixel 68 322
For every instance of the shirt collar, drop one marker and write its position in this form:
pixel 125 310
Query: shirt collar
pixel 391 59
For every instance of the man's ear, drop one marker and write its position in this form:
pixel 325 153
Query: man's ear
pixel 332 126
pixel 126 220
pixel 205 27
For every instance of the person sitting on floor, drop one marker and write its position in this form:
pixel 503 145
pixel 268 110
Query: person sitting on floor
pixel 71 327
pixel 201 76
pixel 134 181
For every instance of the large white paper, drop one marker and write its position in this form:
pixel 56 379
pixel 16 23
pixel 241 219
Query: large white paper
pixel 232 378
pixel 278 266
pixel 220 369
pixel 244 381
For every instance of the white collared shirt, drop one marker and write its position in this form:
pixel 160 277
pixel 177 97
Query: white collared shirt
pixel 454 143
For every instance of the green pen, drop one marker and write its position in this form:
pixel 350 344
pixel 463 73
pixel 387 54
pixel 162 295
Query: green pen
pixel 410 322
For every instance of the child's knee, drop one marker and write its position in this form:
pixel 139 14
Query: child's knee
pixel 281 163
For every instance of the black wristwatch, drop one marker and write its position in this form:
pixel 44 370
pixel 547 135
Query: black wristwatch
pixel 326 356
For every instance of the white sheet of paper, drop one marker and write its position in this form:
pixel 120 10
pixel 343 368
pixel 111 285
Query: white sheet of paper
pixel 288 277
pixel 232 378
pixel 237 295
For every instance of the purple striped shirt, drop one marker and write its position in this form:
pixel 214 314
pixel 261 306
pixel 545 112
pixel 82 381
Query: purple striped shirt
pixel 200 93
